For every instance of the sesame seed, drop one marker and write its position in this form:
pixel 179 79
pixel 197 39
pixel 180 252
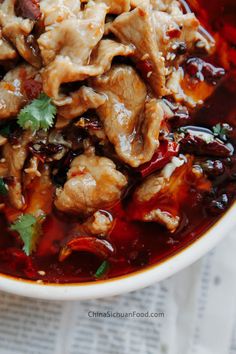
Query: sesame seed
pixel 168 71
pixel 168 56
pixel 200 44
pixel 145 56
pixel 197 170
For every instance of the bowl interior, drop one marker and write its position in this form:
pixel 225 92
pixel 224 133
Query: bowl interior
pixel 130 282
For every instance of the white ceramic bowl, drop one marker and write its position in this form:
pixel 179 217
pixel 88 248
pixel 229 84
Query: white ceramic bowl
pixel 130 282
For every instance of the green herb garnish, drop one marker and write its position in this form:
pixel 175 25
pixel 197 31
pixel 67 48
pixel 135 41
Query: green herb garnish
pixel 3 188
pixel 222 130
pixel 39 114
pixel 102 269
pixel 29 230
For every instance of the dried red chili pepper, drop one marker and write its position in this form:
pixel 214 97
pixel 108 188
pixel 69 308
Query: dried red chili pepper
pixel 195 145
pixel 99 247
pixel 174 32
pixel 163 155
pixel 19 261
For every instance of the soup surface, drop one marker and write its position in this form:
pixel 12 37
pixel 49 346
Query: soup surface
pixel 118 133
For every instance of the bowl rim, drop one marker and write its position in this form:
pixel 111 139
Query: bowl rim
pixel 130 282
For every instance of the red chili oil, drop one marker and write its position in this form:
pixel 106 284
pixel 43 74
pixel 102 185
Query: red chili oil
pixel 139 244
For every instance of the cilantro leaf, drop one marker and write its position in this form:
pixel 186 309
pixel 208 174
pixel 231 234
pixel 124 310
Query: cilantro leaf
pixel 29 230
pixel 102 269
pixel 39 114
pixel 217 129
pixel 3 188
pixel 222 130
